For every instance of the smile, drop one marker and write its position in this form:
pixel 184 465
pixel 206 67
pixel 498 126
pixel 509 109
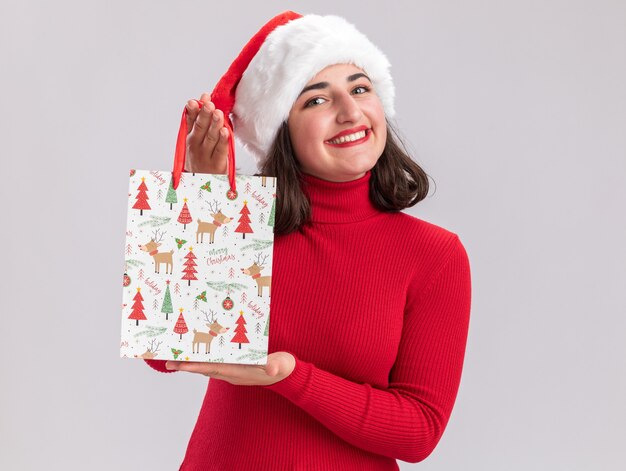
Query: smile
pixel 350 139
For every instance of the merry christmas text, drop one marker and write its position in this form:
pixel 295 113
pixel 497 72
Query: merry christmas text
pixel 220 259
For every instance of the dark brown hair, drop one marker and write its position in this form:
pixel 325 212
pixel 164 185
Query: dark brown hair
pixel 397 182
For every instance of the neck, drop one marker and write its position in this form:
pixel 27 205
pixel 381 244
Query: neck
pixel 339 202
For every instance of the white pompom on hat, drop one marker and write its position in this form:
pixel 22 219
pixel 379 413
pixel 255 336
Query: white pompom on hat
pixel 262 84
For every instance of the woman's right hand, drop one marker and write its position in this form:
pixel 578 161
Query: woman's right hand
pixel 207 138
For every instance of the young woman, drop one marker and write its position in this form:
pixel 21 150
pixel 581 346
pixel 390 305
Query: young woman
pixel 370 306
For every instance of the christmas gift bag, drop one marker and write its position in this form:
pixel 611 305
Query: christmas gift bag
pixel 198 263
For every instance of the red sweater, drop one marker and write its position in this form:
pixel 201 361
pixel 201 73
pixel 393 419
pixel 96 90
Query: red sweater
pixel 375 308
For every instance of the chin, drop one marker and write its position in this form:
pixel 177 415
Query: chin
pixel 346 175
pixel 340 168
pixel 359 168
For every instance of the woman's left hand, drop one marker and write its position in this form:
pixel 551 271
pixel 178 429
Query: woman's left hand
pixel 279 366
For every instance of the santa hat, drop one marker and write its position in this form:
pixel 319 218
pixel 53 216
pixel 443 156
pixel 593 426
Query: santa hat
pixel 263 82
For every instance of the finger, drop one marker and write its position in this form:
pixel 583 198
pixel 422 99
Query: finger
pixel 192 113
pixel 280 364
pixel 205 369
pixel 193 107
pixel 220 152
pixel 275 365
pixel 271 369
pixel 204 99
pixel 213 134
pixel 201 124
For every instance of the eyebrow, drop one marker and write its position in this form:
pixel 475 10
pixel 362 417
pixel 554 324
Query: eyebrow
pixel 320 85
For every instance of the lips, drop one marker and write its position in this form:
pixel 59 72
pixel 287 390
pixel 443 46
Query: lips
pixel 350 136
pixel 348 131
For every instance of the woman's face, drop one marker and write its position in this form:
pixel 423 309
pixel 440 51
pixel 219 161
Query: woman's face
pixel 339 100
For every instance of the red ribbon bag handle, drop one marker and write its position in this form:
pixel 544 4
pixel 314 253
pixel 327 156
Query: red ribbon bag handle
pixel 181 151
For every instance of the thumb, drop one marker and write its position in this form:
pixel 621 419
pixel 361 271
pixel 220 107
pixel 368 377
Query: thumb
pixel 272 367
pixel 280 364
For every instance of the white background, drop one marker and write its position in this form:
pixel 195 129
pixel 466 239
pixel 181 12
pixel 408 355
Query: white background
pixel 517 109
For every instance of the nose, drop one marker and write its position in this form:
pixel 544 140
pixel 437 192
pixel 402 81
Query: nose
pixel 348 108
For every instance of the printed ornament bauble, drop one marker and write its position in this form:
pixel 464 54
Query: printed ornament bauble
pixel 126 280
pixel 227 303
pixel 231 195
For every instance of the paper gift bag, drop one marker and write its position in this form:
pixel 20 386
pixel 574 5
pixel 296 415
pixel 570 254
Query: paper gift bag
pixel 198 263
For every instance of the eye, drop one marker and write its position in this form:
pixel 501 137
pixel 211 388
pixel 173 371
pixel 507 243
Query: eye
pixel 362 87
pixel 311 102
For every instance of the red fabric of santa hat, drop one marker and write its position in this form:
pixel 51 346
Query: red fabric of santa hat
pixel 261 85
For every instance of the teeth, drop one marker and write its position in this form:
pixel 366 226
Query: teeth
pixel 349 138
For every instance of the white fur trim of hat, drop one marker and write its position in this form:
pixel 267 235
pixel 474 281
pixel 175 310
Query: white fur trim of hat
pixel 291 55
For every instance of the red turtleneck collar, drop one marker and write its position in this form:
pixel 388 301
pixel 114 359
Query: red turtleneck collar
pixel 339 202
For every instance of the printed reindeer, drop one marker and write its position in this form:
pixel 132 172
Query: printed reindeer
pixel 211 227
pixel 254 271
pixel 159 257
pixel 206 338
pixel 152 351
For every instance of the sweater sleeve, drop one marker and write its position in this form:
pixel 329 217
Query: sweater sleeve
pixel 159 365
pixel 407 419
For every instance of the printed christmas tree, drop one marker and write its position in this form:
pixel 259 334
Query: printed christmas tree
pixel 240 331
pixel 142 198
pixel 171 194
pixel 190 267
pixel 244 221
pixel 149 305
pixel 137 312
pixel 181 326
pixel 185 216
pixel 167 308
